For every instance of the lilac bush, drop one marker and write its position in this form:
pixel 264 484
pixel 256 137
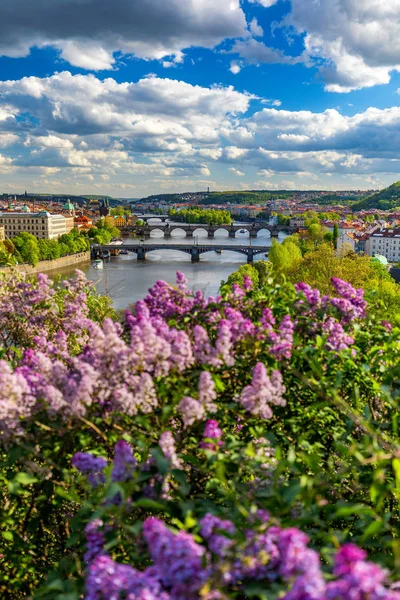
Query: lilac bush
pixel 186 414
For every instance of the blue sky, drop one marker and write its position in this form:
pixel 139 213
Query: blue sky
pixel 133 97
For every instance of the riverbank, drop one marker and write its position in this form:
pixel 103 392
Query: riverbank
pixel 51 265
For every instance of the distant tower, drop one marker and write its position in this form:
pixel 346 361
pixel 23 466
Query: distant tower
pixel 104 208
pixel 208 190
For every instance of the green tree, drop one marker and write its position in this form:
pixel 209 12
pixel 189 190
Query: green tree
pixel 28 248
pixel 335 235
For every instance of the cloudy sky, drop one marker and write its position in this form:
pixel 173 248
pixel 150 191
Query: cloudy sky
pixel 133 97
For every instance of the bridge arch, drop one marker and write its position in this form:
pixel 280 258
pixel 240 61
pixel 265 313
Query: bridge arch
pixel 221 228
pixel 264 229
pixel 179 229
pixel 202 228
pixel 156 228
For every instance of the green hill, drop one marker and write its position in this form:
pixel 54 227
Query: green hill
pixel 386 199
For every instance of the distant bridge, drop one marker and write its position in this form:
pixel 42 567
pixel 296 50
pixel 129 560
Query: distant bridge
pixel 141 249
pixel 168 228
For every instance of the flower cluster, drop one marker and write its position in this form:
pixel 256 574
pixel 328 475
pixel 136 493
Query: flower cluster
pixel 184 569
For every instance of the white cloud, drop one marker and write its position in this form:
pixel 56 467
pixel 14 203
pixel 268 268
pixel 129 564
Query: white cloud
pixel 89 32
pixel 358 41
pixel 235 67
pixel 265 3
pixel 255 28
pixel 236 172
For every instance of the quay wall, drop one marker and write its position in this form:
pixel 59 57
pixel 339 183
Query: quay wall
pixel 51 265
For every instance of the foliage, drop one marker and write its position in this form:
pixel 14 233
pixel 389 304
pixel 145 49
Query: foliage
pixel 274 409
pixel 121 211
pixel 103 233
pixel 198 215
pixel 385 199
pixel 26 248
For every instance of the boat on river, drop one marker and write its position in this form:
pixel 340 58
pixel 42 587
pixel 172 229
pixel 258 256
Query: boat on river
pixel 98 263
pixel 219 251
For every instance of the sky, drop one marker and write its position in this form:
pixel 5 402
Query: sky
pixel 137 97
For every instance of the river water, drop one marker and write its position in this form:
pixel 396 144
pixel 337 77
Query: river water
pixel 126 280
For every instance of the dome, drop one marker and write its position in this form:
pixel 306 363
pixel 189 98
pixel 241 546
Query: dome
pixel 25 208
pixel 68 206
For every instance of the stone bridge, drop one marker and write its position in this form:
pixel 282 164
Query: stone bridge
pixel 141 249
pixel 168 228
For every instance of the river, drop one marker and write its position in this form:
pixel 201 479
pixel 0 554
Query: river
pixel 126 280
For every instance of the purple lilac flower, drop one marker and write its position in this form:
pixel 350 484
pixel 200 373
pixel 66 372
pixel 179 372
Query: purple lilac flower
pixel 95 540
pixel 16 399
pixel 312 296
pixel 358 578
pixel 213 432
pixel 352 304
pixel 90 465
pixel 224 344
pixel 178 559
pixel 263 391
pixel 108 580
pixel 124 463
pixel 283 340
pixel 337 339
pixel 167 445
pixel 207 393
pixel 191 410
pixel 247 283
pixel 211 529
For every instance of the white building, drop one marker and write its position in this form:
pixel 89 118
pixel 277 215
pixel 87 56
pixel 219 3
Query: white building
pixel 385 242
pixel 42 225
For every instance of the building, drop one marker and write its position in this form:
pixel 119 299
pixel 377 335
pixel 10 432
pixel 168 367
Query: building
pixel 2 234
pixel 83 222
pixel 43 225
pixel 120 221
pixel 385 242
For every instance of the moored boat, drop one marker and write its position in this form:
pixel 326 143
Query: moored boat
pixel 98 263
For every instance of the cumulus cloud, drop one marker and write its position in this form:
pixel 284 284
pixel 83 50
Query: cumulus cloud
pixel 159 129
pixel 255 52
pixel 236 172
pixel 358 42
pixel 88 33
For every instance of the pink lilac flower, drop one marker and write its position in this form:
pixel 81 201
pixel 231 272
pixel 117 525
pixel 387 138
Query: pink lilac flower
pixel 16 399
pixel 224 344
pixel 191 410
pixel 283 339
pixel 167 445
pixel 213 432
pixel 92 466
pixel 202 346
pixel 263 391
pixel 247 283
pixel 207 393
pixel 124 463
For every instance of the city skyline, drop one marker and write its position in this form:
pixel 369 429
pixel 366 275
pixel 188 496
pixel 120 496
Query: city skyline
pixel 132 98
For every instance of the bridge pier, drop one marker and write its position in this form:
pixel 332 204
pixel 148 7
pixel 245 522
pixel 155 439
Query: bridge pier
pixel 211 233
pixel 253 234
pixel 274 233
pixel 141 254
pixel 167 234
pixel 250 255
pixel 195 254
pixel 189 234
pixel 232 233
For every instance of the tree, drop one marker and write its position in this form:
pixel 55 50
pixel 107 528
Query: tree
pixel 335 235
pixel 28 248
pixel 239 275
